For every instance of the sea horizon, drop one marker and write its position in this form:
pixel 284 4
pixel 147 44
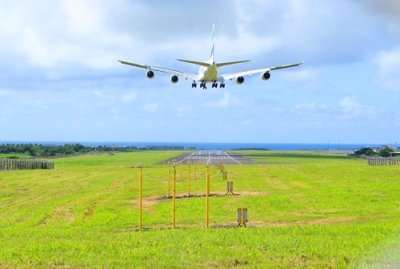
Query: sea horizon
pixel 211 145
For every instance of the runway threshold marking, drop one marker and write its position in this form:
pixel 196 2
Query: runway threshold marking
pixel 186 157
pixel 232 158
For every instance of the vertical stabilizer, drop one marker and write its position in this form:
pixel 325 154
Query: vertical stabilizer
pixel 213 43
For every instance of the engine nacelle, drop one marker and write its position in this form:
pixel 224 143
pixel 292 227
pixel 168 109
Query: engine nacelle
pixel 150 74
pixel 266 76
pixel 239 80
pixel 174 79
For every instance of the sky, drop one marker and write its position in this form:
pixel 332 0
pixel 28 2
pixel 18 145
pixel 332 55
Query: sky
pixel 60 79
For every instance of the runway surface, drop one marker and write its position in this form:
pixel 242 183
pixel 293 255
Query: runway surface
pixel 209 156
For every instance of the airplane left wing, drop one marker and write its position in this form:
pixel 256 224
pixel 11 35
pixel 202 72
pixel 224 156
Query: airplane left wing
pixel 257 71
pixel 162 70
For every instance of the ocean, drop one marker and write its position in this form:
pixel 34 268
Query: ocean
pixel 210 146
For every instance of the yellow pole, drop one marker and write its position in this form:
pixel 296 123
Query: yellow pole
pixel 207 196
pixel 195 172
pixel 169 182
pixel 140 198
pixel 189 181
pixel 174 201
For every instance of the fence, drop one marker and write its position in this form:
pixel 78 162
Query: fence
pixel 380 161
pixel 17 164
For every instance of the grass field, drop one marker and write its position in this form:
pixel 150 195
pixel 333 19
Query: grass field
pixel 306 210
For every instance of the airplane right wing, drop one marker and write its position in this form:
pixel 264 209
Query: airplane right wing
pixel 162 70
pixel 257 71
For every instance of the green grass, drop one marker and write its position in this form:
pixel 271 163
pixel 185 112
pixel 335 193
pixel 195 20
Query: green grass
pixel 19 156
pixel 306 210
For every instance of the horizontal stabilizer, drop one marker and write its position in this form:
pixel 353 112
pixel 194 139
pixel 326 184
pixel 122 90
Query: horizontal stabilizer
pixel 195 62
pixel 230 63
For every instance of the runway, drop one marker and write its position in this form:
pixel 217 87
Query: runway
pixel 209 156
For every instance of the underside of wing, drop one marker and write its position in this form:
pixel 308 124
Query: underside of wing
pixel 245 73
pixel 257 71
pixel 162 70
pixel 285 66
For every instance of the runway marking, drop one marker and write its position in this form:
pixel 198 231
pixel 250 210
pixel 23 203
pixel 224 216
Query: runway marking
pixel 232 158
pixel 186 158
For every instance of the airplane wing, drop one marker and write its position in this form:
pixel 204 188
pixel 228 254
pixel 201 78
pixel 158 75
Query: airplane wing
pixel 162 70
pixel 257 71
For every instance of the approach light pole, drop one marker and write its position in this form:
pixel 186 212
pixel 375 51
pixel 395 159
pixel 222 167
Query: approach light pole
pixel 190 175
pixel 174 199
pixel 207 194
pixel 140 166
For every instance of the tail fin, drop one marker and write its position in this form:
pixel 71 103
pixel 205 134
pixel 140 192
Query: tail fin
pixel 213 43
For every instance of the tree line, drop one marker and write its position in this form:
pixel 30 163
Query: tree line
pixel 72 149
pixel 383 152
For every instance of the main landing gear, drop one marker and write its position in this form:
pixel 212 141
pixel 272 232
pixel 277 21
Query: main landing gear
pixel 203 85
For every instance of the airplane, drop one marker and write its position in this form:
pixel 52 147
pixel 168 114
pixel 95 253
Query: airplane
pixel 208 71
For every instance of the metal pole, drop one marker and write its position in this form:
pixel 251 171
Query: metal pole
pixel 189 181
pixel 207 196
pixel 169 182
pixel 140 198
pixel 174 201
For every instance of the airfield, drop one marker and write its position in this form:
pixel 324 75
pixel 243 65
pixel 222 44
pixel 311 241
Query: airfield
pixel 210 157
pixel 305 210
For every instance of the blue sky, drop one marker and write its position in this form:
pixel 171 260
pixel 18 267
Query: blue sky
pixel 60 79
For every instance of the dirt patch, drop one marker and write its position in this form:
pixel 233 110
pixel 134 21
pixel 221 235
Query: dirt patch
pixel 260 223
pixel 250 224
pixel 276 183
pixel 200 195
pixel 64 214
pixel 90 210
pixel 150 202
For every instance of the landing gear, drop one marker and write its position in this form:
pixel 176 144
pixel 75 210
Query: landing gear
pixel 222 85
pixel 194 85
pixel 203 86
pixel 214 85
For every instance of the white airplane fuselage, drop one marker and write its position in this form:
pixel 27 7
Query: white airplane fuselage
pixel 209 73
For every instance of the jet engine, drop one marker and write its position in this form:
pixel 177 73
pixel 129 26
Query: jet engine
pixel 239 80
pixel 266 76
pixel 174 79
pixel 150 74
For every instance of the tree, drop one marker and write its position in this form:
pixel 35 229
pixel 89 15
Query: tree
pixel 365 152
pixel 386 152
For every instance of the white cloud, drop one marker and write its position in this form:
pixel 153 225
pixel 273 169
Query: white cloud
pixel 351 107
pixel 128 97
pixel 301 75
pixel 151 107
pixel 389 9
pixel 56 33
pixel 100 95
pixel 184 111
pixel 227 100
pixel 5 92
pixel 388 74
